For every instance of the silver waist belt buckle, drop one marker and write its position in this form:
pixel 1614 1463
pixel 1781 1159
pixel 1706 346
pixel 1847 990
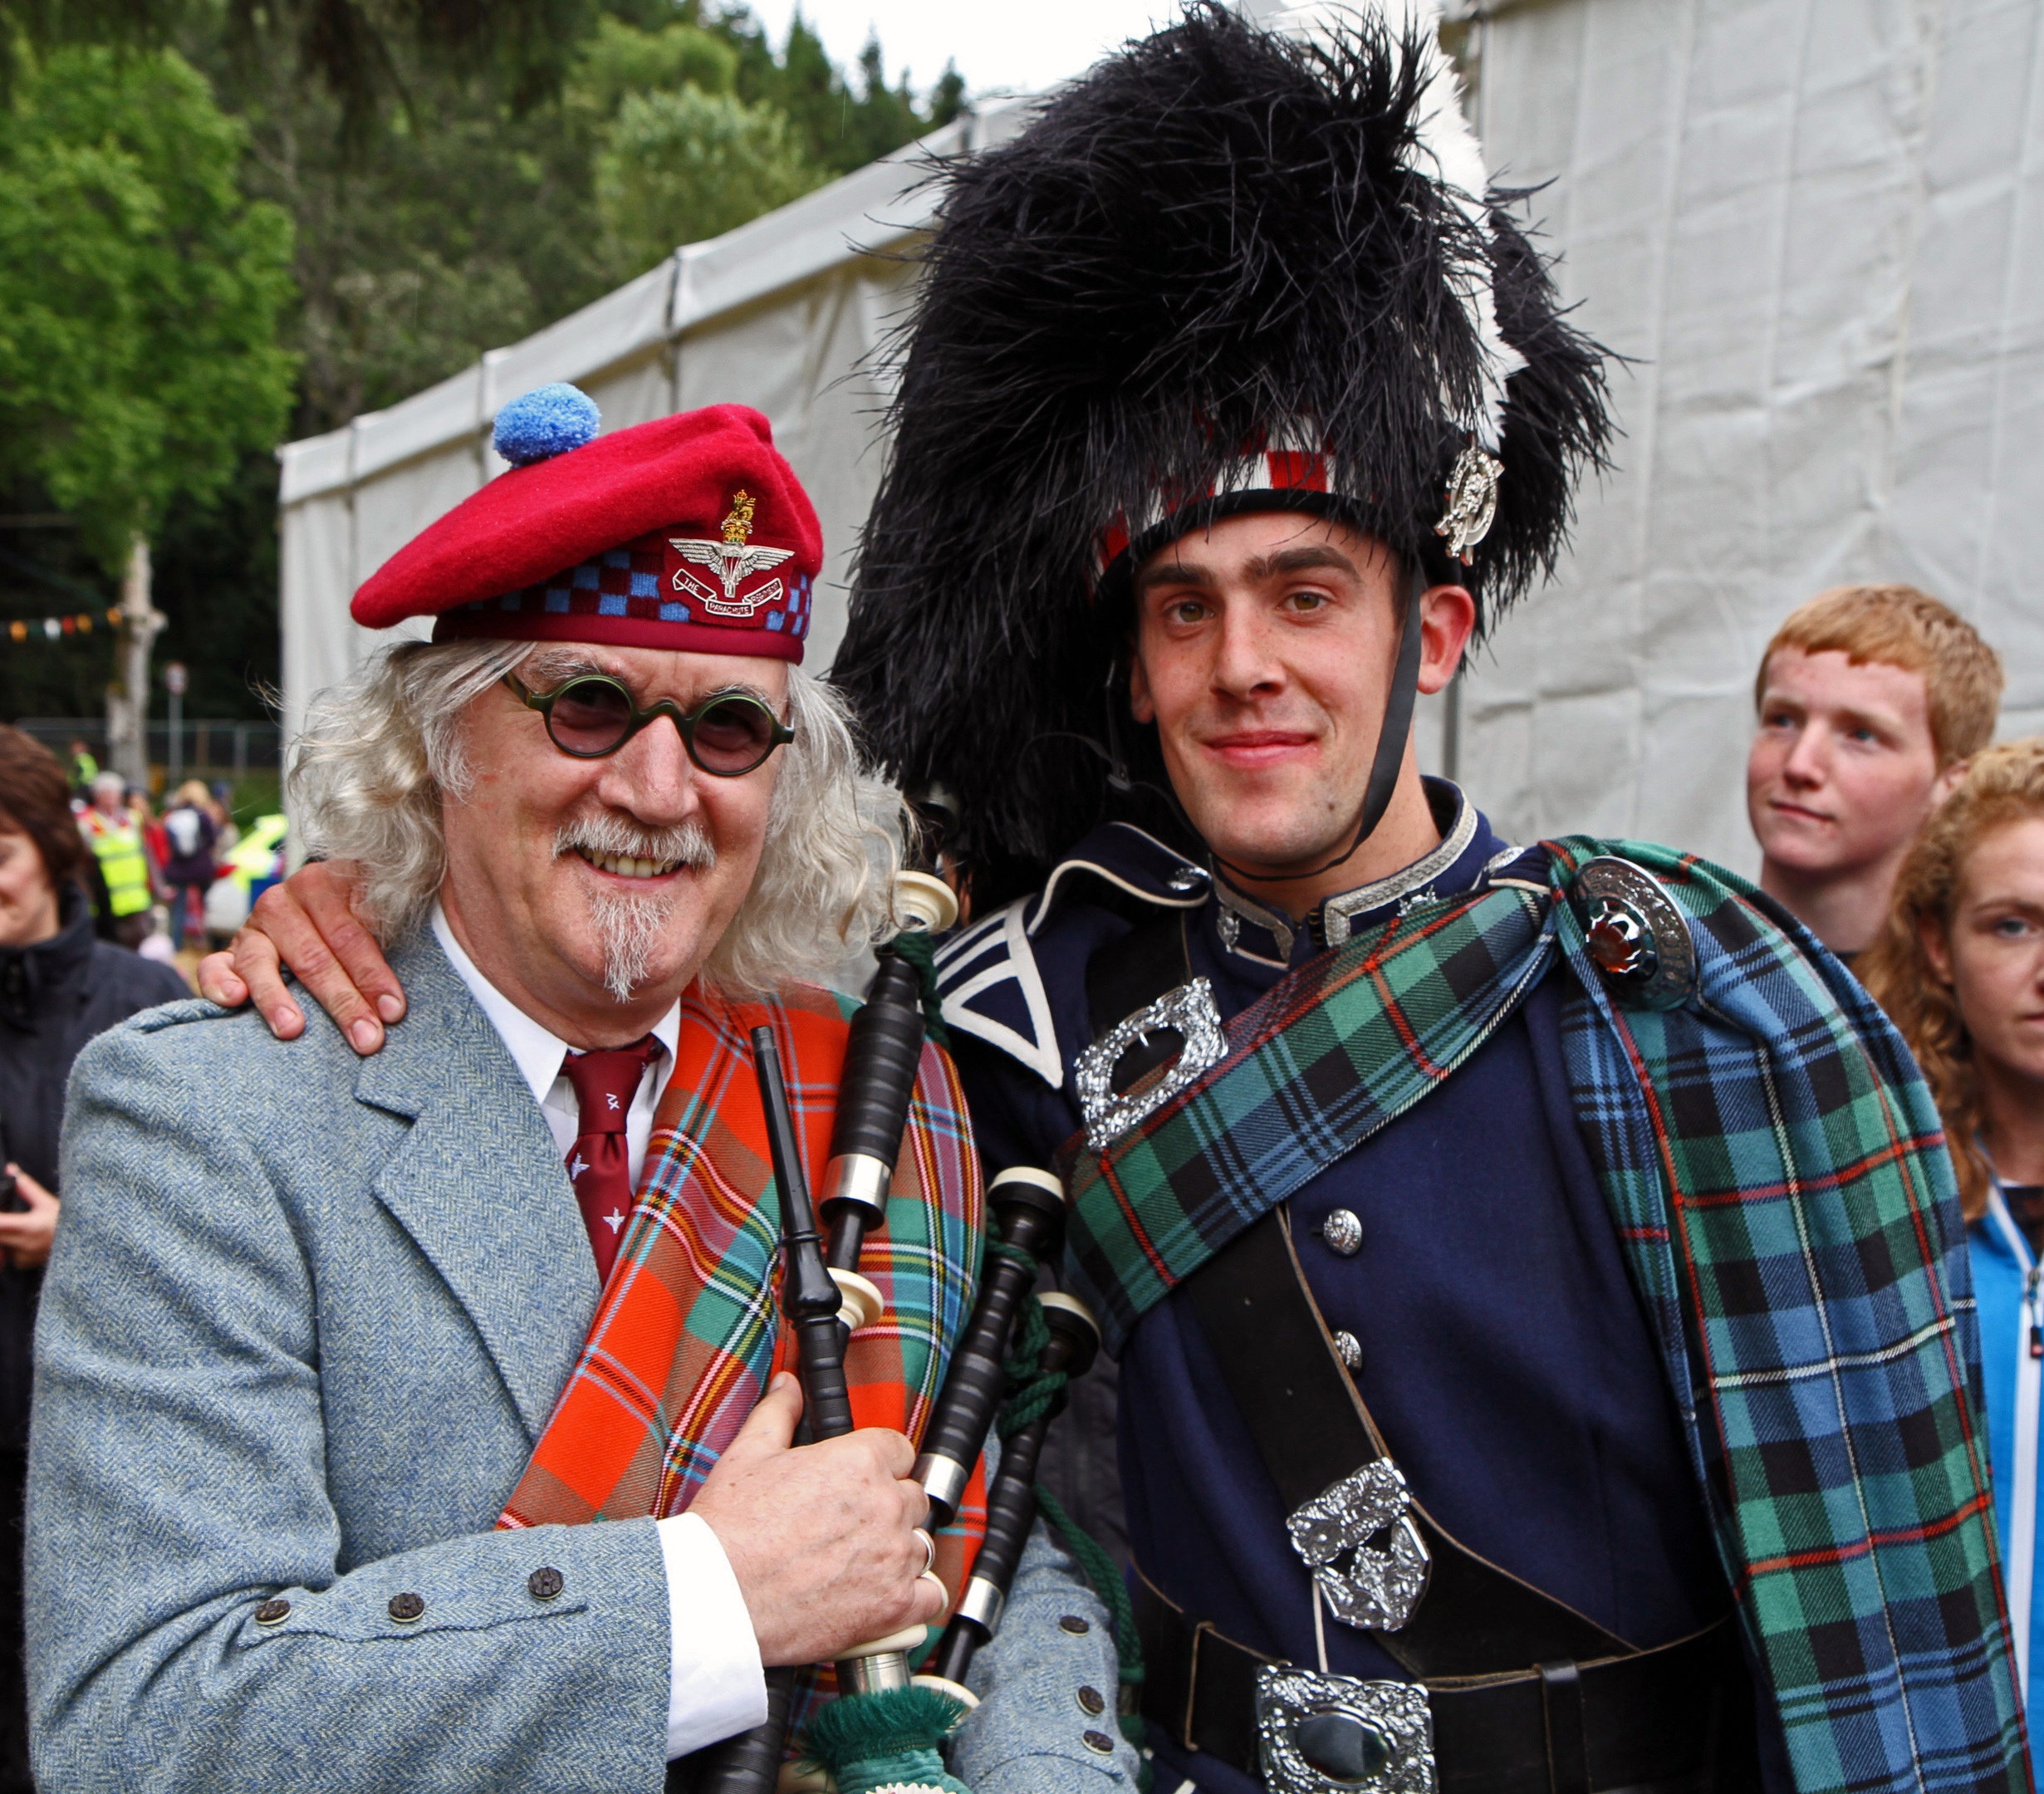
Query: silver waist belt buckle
pixel 1332 1734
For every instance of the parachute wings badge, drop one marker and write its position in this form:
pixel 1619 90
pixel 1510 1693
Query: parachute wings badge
pixel 733 561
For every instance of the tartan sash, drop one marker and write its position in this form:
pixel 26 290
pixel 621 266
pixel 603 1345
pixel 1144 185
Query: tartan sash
pixel 1774 1167
pixel 1328 1055
pixel 687 1335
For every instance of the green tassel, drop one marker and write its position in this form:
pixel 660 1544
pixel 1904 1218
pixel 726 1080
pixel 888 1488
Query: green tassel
pixel 879 1743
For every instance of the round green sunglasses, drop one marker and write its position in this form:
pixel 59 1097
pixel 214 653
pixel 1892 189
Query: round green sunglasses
pixel 592 714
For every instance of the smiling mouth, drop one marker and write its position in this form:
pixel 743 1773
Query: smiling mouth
pixel 623 865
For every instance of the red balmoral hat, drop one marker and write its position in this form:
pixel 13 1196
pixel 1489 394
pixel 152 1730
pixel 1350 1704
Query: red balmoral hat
pixel 691 533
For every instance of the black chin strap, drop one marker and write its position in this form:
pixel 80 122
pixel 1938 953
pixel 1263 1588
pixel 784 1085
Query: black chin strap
pixel 1390 744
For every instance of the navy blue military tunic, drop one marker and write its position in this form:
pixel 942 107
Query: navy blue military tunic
pixel 1505 1355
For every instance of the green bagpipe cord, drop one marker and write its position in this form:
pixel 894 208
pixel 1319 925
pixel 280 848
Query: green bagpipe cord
pixel 1031 1392
pixel 891 1742
pixel 885 1743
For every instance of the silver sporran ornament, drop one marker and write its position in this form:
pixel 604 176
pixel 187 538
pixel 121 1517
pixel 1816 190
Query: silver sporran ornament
pixel 1472 505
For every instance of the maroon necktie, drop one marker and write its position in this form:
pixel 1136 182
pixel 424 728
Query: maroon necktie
pixel 599 1161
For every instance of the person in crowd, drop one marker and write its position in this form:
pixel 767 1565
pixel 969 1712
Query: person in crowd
pixel 120 861
pixel 219 806
pixel 155 841
pixel 1959 965
pixel 1869 701
pixel 84 767
pixel 59 986
pixel 191 834
pixel 330 1364
pixel 1542 1313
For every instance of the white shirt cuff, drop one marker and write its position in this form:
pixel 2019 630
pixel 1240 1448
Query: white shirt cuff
pixel 716 1686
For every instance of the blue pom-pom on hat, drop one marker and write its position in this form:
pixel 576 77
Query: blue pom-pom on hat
pixel 547 421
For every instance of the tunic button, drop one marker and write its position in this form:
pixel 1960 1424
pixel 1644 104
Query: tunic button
pixel 1350 1350
pixel 406 1608
pixel 1343 1233
pixel 273 1612
pixel 1091 1700
pixel 1098 1741
pixel 544 1583
pixel 1072 1623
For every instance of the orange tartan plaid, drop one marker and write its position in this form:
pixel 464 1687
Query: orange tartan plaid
pixel 687 1334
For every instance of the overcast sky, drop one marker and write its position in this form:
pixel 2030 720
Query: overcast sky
pixel 999 47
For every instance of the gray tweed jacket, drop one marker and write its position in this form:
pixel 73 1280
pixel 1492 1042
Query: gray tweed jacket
pixel 306 1318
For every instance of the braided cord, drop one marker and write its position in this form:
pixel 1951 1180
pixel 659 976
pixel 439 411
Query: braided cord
pixel 1032 1393
pixel 917 947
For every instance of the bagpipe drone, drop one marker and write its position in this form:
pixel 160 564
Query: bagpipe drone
pixel 886 1728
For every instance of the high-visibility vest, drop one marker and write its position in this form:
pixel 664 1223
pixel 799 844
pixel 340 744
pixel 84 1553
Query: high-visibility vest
pixel 123 863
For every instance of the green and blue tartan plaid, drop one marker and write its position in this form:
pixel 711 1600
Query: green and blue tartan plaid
pixel 1774 1166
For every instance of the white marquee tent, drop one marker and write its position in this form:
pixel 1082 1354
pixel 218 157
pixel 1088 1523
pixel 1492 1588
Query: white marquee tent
pixel 1816 226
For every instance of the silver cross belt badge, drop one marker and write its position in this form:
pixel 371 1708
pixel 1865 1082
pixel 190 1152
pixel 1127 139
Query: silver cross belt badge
pixel 733 561
pixel 1471 506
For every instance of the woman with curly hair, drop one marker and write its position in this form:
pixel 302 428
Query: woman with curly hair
pixel 1960 967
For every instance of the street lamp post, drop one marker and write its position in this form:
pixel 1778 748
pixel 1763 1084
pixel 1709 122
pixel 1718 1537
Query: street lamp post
pixel 174 682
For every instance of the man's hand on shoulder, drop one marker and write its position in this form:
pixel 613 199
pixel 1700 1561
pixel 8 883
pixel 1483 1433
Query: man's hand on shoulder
pixel 821 1537
pixel 307 926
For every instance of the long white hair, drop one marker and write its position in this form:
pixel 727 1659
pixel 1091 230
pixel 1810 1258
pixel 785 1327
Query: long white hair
pixel 377 753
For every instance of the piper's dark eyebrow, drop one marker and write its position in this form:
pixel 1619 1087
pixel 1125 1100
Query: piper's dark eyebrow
pixel 1298 559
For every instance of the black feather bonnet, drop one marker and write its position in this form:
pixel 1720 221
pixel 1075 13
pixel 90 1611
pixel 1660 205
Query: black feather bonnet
pixel 1221 240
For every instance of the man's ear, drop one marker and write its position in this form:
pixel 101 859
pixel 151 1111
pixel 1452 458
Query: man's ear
pixel 1947 782
pixel 1140 705
pixel 1930 935
pixel 1447 620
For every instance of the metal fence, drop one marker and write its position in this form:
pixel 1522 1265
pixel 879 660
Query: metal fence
pixel 223 749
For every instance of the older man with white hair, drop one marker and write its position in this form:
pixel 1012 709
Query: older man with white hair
pixel 338 1356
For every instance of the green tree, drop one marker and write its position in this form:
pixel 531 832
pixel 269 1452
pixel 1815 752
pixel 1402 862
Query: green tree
pixel 140 293
pixel 684 165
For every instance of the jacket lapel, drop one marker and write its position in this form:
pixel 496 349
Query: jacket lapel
pixel 478 1184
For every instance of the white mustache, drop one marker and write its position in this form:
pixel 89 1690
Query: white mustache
pixel 687 844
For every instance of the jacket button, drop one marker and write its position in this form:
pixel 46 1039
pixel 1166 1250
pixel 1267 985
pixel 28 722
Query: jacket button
pixel 1098 1741
pixel 544 1583
pixel 1090 1701
pixel 1350 1350
pixel 1343 1233
pixel 274 1611
pixel 407 1607
pixel 1072 1623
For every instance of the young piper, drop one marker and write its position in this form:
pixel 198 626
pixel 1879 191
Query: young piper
pixel 1960 966
pixel 1869 701
pixel 338 1358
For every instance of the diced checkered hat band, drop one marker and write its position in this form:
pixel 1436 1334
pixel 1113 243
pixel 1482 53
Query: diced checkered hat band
pixel 658 591
pixel 1270 478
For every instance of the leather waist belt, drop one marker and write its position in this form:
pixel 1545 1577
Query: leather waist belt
pixel 1670 1721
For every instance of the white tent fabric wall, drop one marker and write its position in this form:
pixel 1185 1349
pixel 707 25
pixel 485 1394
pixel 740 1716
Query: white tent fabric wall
pixel 1818 225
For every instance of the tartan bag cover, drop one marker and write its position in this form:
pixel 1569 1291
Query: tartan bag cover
pixel 1774 1166
pixel 687 1335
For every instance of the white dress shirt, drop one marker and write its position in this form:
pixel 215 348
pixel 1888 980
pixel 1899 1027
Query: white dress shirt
pixel 716 1685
